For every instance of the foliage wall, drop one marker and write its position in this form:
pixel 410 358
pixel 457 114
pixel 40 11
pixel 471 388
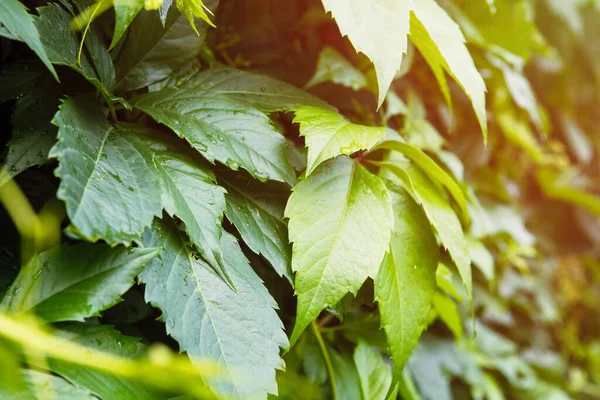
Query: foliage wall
pixel 309 199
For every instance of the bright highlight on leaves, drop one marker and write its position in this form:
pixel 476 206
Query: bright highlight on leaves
pixel 340 223
pixel 328 134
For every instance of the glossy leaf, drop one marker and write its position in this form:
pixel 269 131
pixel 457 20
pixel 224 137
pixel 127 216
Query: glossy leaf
pixel 328 134
pixel 70 283
pixel 240 330
pixel 340 222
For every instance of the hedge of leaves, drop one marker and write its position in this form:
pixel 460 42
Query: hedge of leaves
pixel 309 199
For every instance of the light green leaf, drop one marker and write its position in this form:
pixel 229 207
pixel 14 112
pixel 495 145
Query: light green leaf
pixel 448 312
pixel 328 134
pixel 70 283
pixel 441 43
pixel 482 258
pixel 106 386
pixel 14 16
pixel 107 174
pixel 190 192
pixel 193 9
pixel 62 47
pixel 333 67
pixel 559 186
pixel 33 135
pixel 430 167
pixel 378 29
pixel 374 374
pixel 340 222
pixel 221 128
pixel 439 213
pixel 50 386
pixel 152 51
pixel 240 330
pixel 405 285
pixel 125 12
pixel 346 376
pixel 256 209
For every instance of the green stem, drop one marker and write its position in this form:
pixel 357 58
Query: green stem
pixel 317 333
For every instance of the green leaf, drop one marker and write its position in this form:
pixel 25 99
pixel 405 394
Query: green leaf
pixel 374 374
pixel 125 13
pixel 70 283
pixel 153 50
pixel 439 213
pixel 14 16
pixel 405 285
pixel 333 67
pixel 448 312
pixel 18 78
pixel 556 185
pixel 190 192
pixel 377 29
pixel 434 171
pixel 221 128
pixel 256 209
pixel 346 376
pixel 340 222
pixel 441 43
pixel 62 47
pixel 106 386
pixel 482 259
pixel 240 330
pixel 192 9
pixel 33 134
pixel 107 177
pixel 328 134
pixel 49 386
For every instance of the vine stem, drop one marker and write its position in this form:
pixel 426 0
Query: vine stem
pixel 325 353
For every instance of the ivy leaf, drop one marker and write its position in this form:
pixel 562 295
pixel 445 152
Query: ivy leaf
pixel 14 16
pixel 190 192
pixel 33 134
pixel 192 9
pixel 154 50
pixel 439 213
pixel 241 330
pixel 70 283
pixel 442 44
pixel 108 340
pixel 256 209
pixel 333 67
pixel 340 222
pixel 328 134
pixel 107 177
pixel 34 380
pixel 367 23
pixel 374 374
pixel 221 128
pixel 125 13
pixel 256 91
pixel 405 285
pixel 62 47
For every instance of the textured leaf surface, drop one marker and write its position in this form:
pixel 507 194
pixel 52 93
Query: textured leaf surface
pixel 374 374
pixel 14 16
pixel 328 134
pixel 340 222
pixel 70 283
pixel 333 67
pixel 442 44
pixel 53 386
pixel 221 128
pixel 378 29
pixel 440 214
pixel 106 339
pixel 256 210
pixel 240 330
pixel 106 172
pixel 125 12
pixel 153 52
pixel 190 192
pixel 33 135
pixel 405 285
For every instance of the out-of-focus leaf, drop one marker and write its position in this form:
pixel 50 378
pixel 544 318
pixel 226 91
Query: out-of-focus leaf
pixel 556 186
pixel 347 380
pixel 333 67
pixel 374 374
pixel 448 312
pixel 38 385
